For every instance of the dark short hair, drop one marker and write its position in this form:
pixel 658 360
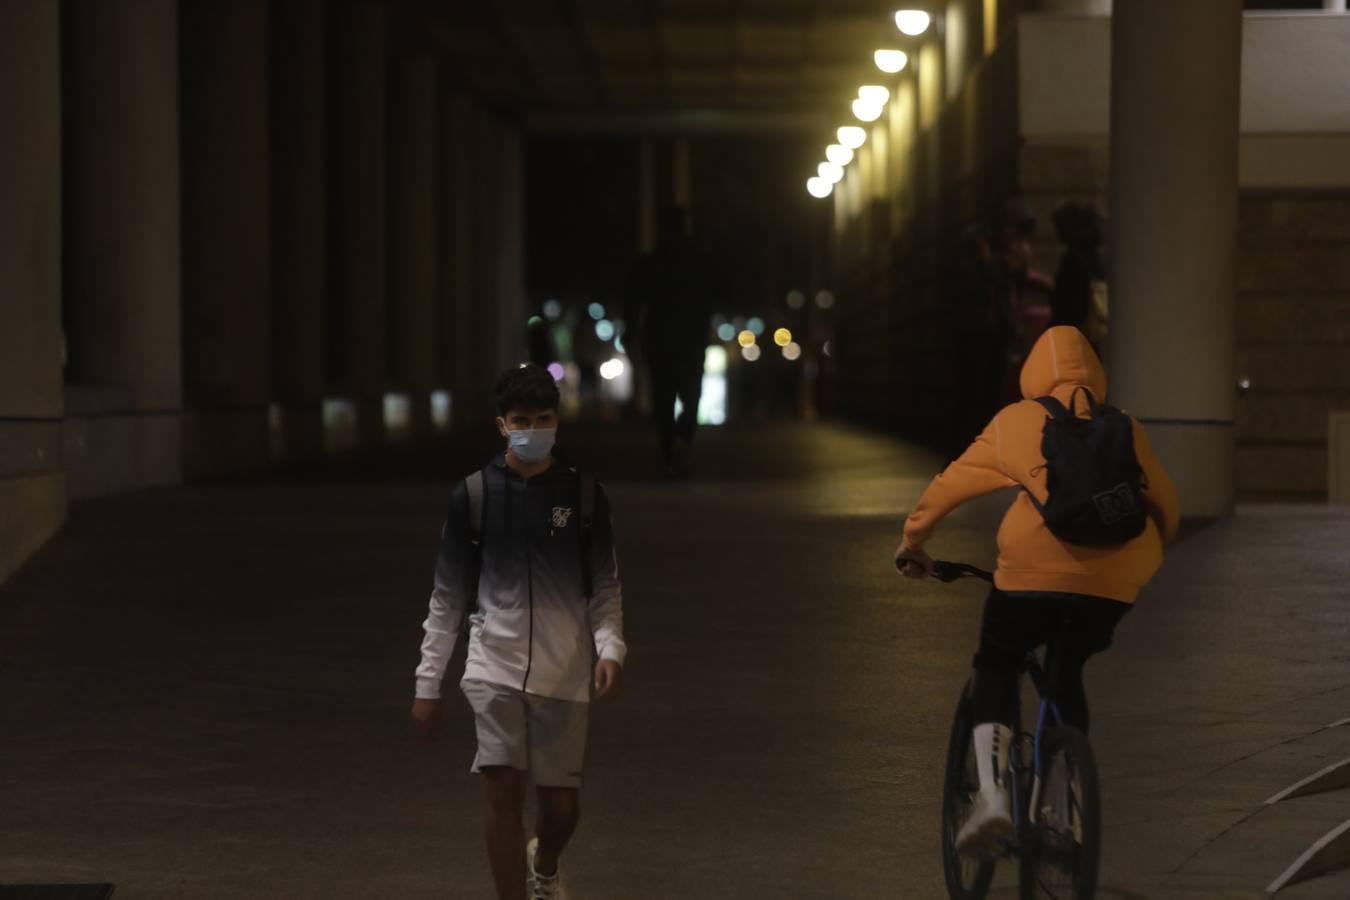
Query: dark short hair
pixel 526 387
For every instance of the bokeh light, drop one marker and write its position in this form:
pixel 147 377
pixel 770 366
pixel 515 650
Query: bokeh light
pixel 912 22
pixel 839 154
pixel 890 61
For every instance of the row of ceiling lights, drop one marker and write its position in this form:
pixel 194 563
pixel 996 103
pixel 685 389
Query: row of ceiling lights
pixel 868 107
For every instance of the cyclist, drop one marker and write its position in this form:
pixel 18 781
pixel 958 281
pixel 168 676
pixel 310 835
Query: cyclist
pixel 1044 588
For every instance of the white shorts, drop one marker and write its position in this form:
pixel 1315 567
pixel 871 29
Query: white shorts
pixel 539 735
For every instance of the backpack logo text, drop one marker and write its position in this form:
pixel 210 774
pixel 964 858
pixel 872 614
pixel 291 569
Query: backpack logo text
pixel 1116 504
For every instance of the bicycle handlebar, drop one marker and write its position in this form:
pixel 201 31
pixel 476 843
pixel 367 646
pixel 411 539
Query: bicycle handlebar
pixel 947 572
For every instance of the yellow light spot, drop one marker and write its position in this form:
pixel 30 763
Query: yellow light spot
pixel 782 337
pixel 746 338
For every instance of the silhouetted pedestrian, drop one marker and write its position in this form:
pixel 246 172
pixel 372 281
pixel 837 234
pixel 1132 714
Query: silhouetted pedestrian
pixel 671 297
pixel 1080 231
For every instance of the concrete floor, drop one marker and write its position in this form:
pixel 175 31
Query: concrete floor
pixel 205 690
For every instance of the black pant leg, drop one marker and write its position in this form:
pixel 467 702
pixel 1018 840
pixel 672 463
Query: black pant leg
pixel 663 406
pixel 1088 627
pixel 1011 627
pixel 691 391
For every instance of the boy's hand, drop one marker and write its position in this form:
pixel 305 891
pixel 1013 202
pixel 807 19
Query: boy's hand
pixel 426 716
pixel 913 563
pixel 608 679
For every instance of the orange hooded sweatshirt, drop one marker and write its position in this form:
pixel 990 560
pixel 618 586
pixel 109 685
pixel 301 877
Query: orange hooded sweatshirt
pixel 1008 454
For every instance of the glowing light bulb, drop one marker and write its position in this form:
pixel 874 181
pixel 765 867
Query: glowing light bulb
pixel 866 112
pixel 891 61
pixel 818 187
pixel 912 22
pixel 851 136
pixel 876 94
pixel 839 154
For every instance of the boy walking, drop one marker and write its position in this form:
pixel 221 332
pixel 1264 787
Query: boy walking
pixel 527 557
pixel 1048 588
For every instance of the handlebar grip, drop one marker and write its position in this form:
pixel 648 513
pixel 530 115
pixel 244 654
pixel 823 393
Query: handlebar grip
pixel 947 572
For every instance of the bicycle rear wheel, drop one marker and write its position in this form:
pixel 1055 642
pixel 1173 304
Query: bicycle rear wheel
pixel 967 879
pixel 1064 847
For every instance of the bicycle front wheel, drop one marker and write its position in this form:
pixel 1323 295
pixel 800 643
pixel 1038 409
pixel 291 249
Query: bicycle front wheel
pixel 967 879
pixel 1060 859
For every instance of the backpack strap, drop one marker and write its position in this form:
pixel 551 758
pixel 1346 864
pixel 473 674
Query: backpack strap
pixel 1094 408
pixel 477 507
pixel 1056 409
pixel 1057 413
pixel 586 509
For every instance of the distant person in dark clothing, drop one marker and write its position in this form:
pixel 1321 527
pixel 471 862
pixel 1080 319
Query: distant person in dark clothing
pixel 974 303
pixel 672 295
pixel 1080 231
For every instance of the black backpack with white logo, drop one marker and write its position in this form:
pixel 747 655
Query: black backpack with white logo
pixel 1095 485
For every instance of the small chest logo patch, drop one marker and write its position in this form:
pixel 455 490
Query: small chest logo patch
pixel 561 516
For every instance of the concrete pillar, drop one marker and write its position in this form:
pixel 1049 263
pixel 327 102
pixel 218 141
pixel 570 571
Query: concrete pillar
pixel 121 244
pixel 958 44
pixel 1334 5
pixel 357 240
pixel 647 194
pixel 932 99
pixel 455 240
pixel 1174 193
pixel 299 224
pixel 226 243
pixel 1078 7
pixel 412 253
pixel 905 112
pixel 502 207
pixel 682 174
pixel 32 483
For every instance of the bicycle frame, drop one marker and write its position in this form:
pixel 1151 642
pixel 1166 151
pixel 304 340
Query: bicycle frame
pixel 1048 710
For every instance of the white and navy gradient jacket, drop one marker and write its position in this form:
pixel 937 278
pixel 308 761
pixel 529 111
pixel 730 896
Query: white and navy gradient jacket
pixel 532 628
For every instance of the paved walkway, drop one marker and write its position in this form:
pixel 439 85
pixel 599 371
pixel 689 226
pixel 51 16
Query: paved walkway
pixel 205 690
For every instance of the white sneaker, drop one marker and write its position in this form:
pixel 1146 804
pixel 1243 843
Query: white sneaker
pixel 542 887
pixel 990 820
pixel 988 827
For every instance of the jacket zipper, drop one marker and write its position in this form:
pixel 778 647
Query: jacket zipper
pixel 529 568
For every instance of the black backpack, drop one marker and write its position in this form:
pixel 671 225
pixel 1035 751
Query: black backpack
pixel 476 485
pixel 1095 484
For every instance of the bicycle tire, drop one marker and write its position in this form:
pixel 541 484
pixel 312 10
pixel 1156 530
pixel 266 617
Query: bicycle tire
pixel 1061 859
pixel 966 879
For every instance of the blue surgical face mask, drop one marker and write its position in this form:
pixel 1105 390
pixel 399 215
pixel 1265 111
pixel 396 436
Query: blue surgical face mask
pixel 532 445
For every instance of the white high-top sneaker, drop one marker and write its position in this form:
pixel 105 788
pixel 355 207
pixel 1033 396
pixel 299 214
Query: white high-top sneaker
pixel 543 887
pixel 990 819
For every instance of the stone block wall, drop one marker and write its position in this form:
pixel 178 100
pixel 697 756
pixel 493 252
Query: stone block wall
pixel 1293 337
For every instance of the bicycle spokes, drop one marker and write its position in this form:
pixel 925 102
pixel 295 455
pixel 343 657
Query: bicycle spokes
pixel 1061 861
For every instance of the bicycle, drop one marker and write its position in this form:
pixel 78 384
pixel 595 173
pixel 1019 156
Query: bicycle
pixel 1056 799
